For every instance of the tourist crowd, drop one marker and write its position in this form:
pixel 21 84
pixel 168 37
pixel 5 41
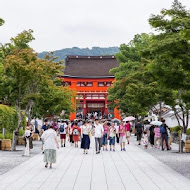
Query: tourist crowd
pixel 106 134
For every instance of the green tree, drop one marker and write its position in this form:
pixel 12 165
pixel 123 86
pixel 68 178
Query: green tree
pixel 52 101
pixel 135 90
pixel 26 76
pixel 1 21
pixel 169 53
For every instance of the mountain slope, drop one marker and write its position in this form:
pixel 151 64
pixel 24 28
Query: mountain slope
pixel 95 51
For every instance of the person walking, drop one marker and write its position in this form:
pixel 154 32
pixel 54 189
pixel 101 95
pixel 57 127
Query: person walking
pixel 122 135
pixel 139 130
pixel 151 135
pixel 105 136
pixel 164 135
pixel 36 130
pixel 43 129
pixel 70 131
pixel 55 126
pixel 50 143
pixel 85 132
pixel 31 136
pixel 112 136
pixel 63 132
pixel 45 126
pixel 98 134
pixel 76 134
pixel 157 137
pixel 117 132
pixel 145 139
pixel 169 137
pixel 128 131
pixel 26 137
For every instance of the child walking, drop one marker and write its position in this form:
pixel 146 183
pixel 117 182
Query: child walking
pixel 145 139
pixel 112 136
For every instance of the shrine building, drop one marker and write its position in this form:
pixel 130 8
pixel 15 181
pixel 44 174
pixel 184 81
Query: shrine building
pixel 89 77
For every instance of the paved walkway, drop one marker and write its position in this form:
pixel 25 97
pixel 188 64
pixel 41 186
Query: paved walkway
pixel 132 170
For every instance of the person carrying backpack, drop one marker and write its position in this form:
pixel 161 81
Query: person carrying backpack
pixel 164 135
pixel 76 134
pixel 63 132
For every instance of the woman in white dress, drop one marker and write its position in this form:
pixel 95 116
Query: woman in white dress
pixel 50 143
pixel 27 135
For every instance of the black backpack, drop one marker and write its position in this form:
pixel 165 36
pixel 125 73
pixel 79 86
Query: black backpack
pixel 163 129
pixel 62 128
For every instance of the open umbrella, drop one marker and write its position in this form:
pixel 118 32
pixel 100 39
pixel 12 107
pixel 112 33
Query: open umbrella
pixel 158 123
pixel 130 118
pixel 115 120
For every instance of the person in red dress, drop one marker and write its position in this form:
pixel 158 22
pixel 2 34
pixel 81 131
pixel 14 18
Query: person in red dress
pixel 76 134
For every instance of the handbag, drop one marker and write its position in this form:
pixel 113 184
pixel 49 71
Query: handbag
pixel 89 134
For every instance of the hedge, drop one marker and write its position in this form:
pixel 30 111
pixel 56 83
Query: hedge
pixel 188 131
pixel 8 118
pixel 178 130
pixel 175 129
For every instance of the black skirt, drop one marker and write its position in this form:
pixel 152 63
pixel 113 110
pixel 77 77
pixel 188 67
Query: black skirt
pixel 85 144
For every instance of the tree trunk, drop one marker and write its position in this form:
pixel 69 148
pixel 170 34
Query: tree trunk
pixel 16 132
pixel 160 111
pixel 180 144
pixel 29 111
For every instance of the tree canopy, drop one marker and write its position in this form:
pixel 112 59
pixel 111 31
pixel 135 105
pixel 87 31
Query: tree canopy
pixel 30 83
pixel 156 67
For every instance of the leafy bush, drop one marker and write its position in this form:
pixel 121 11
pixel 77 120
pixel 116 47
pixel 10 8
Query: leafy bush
pixel 8 118
pixel 1 136
pixel 21 132
pixel 175 129
pixel 7 136
pixel 188 131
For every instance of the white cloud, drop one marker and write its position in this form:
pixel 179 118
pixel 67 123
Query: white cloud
pixel 84 23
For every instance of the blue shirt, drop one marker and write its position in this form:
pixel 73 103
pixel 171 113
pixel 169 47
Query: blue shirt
pixel 44 127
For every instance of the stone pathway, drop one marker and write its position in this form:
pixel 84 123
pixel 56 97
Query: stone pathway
pixel 132 170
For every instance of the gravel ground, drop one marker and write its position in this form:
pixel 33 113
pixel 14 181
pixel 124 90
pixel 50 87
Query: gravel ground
pixel 9 159
pixel 178 162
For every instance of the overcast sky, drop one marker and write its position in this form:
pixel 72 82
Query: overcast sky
pixel 61 24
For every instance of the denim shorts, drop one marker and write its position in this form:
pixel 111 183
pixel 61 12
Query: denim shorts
pixel 112 140
pixel 105 141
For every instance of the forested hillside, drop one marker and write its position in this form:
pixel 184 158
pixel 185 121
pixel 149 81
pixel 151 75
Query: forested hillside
pixel 95 51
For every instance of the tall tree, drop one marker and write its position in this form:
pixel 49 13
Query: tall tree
pixel 135 90
pixel 25 76
pixel 52 101
pixel 170 57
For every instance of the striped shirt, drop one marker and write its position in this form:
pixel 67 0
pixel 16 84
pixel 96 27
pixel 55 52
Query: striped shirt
pixel 157 131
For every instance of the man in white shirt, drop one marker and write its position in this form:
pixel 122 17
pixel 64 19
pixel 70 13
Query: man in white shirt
pixel 99 131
